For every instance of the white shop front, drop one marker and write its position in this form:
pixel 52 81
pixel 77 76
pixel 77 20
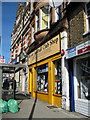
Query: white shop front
pixel 81 76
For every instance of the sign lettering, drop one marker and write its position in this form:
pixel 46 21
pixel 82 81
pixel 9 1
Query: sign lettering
pixel 50 48
pixel 78 50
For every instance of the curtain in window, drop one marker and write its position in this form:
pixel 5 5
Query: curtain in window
pixel 45 15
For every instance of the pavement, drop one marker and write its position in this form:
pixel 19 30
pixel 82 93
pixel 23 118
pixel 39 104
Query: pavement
pixel 32 108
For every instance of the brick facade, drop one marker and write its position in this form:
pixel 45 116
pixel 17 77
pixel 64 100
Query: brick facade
pixel 77 25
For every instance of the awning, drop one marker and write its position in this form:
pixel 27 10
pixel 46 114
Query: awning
pixel 11 68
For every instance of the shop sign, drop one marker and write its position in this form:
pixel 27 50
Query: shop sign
pixel 2 61
pixel 71 53
pixel 78 50
pixel 83 48
pixel 50 48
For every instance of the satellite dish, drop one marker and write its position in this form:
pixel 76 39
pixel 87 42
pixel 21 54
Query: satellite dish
pixel 51 3
pixel 55 3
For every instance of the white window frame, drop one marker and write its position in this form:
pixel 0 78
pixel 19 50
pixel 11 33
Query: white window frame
pixel 32 34
pixel 56 17
pixel 19 47
pixel 87 21
pixel 43 16
pixel 40 19
pixel 26 40
pixel 37 20
pixel 14 53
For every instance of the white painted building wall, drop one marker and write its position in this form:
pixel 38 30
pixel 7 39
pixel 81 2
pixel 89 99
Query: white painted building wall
pixel 65 74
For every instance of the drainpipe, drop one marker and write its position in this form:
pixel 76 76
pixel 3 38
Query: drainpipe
pixel 71 85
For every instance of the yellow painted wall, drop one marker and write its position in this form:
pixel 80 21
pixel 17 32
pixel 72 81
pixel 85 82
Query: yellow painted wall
pixel 57 100
pixel 43 96
pixel 30 81
pixel 33 81
pixel 50 97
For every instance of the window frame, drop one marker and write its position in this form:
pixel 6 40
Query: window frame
pixel 32 33
pixel 26 40
pixel 59 17
pixel 82 78
pixel 37 20
pixel 44 16
pixel 43 82
pixel 87 21
pixel 19 47
pixel 59 85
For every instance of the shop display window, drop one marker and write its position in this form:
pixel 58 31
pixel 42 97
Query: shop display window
pixel 58 77
pixel 42 78
pixel 83 76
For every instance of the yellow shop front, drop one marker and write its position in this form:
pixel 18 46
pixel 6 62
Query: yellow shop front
pixel 45 77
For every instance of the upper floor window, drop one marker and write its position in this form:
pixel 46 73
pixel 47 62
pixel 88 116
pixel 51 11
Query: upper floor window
pixel 45 17
pixel 17 20
pixel 37 21
pixel 19 47
pixel 57 13
pixel 42 18
pixel 26 39
pixel 88 15
pixel 33 33
pixel 14 53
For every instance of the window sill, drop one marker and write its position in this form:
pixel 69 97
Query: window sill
pixel 57 95
pixel 42 92
pixel 57 80
pixel 86 33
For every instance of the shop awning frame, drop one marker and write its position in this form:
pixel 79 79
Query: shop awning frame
pixel 9 68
